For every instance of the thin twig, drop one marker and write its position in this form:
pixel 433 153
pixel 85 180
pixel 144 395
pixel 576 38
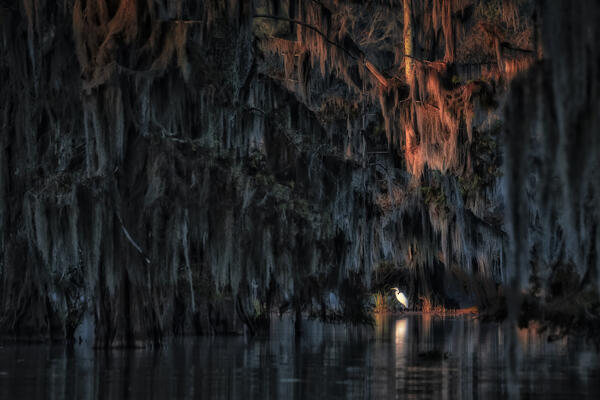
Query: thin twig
pixel 133 243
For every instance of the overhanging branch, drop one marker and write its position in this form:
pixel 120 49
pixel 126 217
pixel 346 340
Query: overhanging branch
pixel 315 29
pixel 360 56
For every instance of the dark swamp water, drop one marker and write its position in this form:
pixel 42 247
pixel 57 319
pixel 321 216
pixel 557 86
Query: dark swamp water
pixel 327 362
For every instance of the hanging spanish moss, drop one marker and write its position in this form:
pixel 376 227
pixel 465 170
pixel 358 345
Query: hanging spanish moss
pixel 173 167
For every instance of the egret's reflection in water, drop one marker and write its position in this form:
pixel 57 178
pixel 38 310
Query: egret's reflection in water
pixel 402 358
pixel 400 333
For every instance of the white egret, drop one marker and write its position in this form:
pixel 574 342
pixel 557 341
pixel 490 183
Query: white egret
pixel 400 297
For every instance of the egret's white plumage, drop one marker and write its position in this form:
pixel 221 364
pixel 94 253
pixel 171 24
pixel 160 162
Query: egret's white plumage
pixel 400 297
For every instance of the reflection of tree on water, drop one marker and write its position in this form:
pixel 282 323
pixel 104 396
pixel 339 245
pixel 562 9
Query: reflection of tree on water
pixel 426 328
pixel 327 361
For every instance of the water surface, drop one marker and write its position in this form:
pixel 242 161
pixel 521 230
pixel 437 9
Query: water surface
pixel 466 360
